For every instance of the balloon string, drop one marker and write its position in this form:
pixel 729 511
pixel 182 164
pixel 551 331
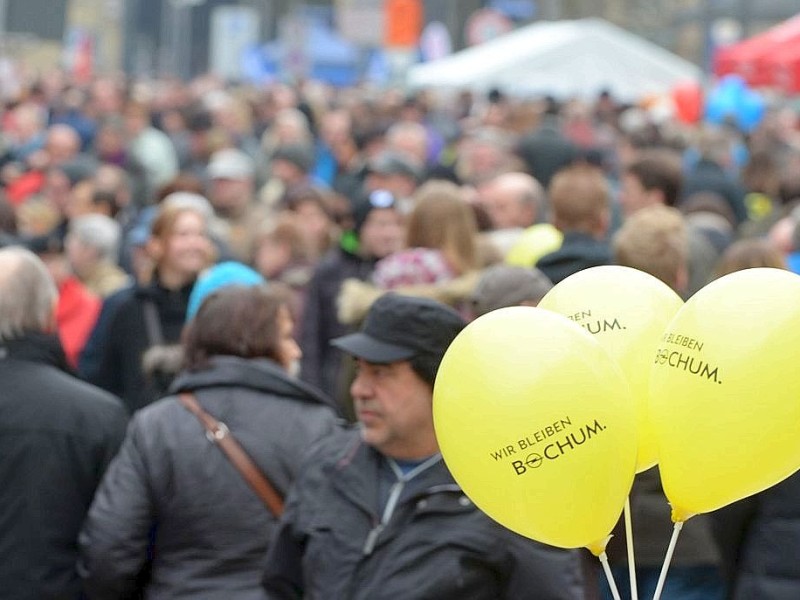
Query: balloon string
pixel 667 560
pixel 609 576
pixel 631 556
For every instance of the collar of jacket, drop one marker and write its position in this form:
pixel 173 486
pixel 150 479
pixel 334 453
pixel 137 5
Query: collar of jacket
pixel 357 472
pixel 255 373
pixel 154 290
pixel 42 348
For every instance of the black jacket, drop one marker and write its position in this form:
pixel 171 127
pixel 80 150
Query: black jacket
pixel 760 543
pixel 578 251
pixel 708 176
pixel 57 435
pixel 124 339
pixel 437 545
pixel 546 151
pixel 211 530
pixel 321 362
pixel 652 529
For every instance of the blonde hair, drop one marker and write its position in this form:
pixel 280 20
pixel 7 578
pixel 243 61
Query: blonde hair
pixel 654 240
pixel 442 220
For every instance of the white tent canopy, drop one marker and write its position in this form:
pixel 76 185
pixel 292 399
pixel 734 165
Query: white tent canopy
pixel 562 59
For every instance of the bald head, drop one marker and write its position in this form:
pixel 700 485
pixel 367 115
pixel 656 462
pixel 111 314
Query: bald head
pixel 63 144
pixel 513 200
pixel 410 139
pixel 27 294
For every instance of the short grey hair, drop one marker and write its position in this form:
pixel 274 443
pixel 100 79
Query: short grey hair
pixel 190 201
pixel 99 232
pixel 28 294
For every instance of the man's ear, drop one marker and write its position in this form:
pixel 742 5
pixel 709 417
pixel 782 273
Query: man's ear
pixel 682 280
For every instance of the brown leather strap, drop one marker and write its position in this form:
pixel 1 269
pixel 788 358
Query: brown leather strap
pixel 218 433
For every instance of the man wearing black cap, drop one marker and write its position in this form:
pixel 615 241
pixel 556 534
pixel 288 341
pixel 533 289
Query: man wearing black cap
pixel 376 514
pixel 396 172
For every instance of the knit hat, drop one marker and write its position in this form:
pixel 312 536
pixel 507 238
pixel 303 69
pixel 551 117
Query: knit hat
pixel 389 162
pixel 501 286
pixel 217 277
pixel 300 155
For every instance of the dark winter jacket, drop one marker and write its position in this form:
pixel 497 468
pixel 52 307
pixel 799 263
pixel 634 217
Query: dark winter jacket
pixel 652 529
pixel 578 251
pixel 57 435
pixel 546 151
pixel 708 176
pixel 436 545
pixel 760 542
pixel 211 530
pixel 125 340
pixel 321 362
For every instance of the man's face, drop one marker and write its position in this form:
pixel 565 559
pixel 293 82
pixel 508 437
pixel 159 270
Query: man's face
pixel 633 195
pixel 507 212
pixel 394 407
pixel 382 233
pixel 81 257
pixel 287 172
pixel 230 195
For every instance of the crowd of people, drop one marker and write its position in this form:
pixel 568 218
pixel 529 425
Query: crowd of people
pixel 297 260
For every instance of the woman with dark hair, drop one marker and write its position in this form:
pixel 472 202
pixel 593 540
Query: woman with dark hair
pixel 175 495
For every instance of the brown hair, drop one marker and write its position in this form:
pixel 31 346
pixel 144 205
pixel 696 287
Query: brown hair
pixel 306 193
pixel 443 220
pixel 182 182
pixel 286 230
pixel 748 254
pixel 579 197
pixel 659 170
pixel 235 320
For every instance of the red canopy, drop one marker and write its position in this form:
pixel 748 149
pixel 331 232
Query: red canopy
pixel 749 58
pixel 783 69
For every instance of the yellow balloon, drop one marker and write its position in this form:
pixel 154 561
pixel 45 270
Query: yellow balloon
pixel 627 310
pixel 536 241
pixel 534 420
pixel 726 391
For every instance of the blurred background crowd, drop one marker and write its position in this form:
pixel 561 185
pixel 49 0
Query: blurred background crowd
pixel 130 189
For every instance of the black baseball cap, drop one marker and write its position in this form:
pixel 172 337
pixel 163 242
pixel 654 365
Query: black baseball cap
pixel 399 327
pixel 366 203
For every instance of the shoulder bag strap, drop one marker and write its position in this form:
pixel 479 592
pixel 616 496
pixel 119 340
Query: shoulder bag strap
pixel 218 433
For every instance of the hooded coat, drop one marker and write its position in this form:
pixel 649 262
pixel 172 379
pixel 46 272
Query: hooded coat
pixel 173 493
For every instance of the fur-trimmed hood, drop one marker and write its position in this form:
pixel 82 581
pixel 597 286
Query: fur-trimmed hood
pixel 356 297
